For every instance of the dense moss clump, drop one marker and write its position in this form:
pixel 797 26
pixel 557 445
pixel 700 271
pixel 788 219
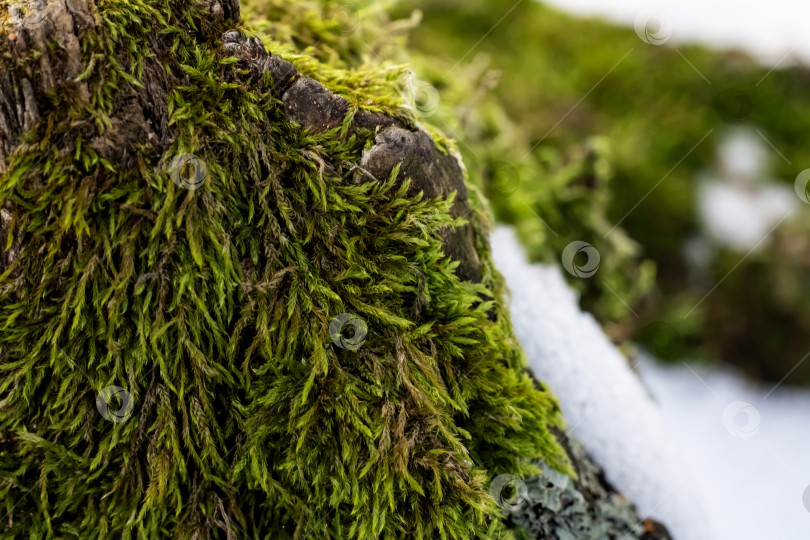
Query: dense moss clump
pixel 171 233
pixel 551 196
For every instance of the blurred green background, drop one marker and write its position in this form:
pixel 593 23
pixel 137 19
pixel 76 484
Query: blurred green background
pixel 661 115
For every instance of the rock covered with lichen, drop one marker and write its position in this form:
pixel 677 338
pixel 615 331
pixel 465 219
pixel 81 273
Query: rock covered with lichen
pixel 581 508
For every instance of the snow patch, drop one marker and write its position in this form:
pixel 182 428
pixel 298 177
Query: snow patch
pixel 741 208
pixel 742 217
pixel 754 465
pixel 604 403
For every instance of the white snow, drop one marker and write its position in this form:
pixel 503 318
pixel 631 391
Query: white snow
pixel 775 30
pixel 603 401
pixel 742 217
pixel 742 154
pixel 742 207
pixel 753 466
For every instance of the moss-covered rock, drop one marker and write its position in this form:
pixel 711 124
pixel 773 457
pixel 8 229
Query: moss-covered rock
pixel 243 293
pixel 210 306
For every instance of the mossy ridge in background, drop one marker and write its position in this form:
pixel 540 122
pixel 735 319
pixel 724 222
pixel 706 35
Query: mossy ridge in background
pixel 652 107
pixel 211 308
pixel 552 197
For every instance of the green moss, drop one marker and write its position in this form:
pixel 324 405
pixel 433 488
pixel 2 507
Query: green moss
pixel 212 307
pixel 553 197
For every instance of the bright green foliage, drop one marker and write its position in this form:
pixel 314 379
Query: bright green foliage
pixel 212 307
pixel 352 34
